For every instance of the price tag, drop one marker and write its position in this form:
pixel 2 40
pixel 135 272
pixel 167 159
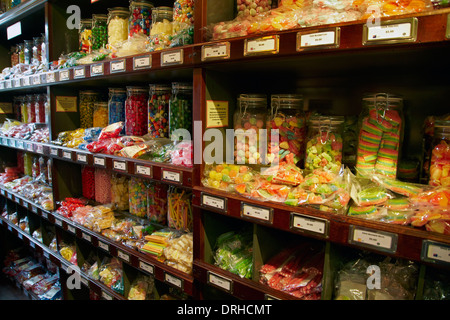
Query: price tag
pixel 34 209
pixel 99 161
pixel 175 281
pixel 51 77
pixel 214 202
pixel 85 282
pixel 117 66
pixel 54 151
pixel 58 222
pixel 97 69
pixel 8 84
pixel 67 155
pixel 64 75
pixel 435 252
pixel 143 170
pixel 26 81
pixel 81 158
pixel 20 235
pixel 263 45
pixel 46 255
pixel 40 148
pixel 309 224
pixel 125 257
pixel 30 147
pixel 10 196
pixel 86 237
pixel 380 240
pixel 103 246
pixel 256 212
pixel 71 229
pixel 147 267
pixel 44 215
pixel 106 296
pixel 120 165
pixel 220 282
pixel 78 73
pixel 171 176
pixel 5 141
pixel 392 31
pixel 2 85
pixel 19 144
pixel 37 80
pixel 143 62
pixel 32 245
pixel 9 228
pixel 218 51
pixel 172 58
pixel 323 39
pixel 17 83
pixel 11 143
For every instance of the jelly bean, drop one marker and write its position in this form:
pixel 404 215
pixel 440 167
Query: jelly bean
pixel 119 191
pixel 100 115
pixel 136 105
pixel 87 101
pixel 88 182
pixel 158 109
pixel 137 192
pixel 157 202
pixel 102 185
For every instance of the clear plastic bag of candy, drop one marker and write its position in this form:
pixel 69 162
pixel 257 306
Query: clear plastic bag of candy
pixel 111 131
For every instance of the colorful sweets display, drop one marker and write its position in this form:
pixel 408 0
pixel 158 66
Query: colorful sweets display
pixel 85 36
pixel 136 105
pixel 40 107
pixel 158 111
pixel 157 203
pixel 137 191
pixel 179 214
pixel 140 20
pixel 119 191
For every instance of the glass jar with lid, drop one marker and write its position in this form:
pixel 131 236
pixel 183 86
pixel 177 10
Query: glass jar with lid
pixel 99 31
pixel 100 116
pixel 37 50
pixel 440 154
pixel 136 111
pixel 40 101
pixel 140 20
pixel 85 36
pixel 30 99
pixel 23 109
pixel 14 56
pixel 17 104
pixel 288 118
pixel 324 143
pixel 381 128
pixel 116 105
pixel 21 52
pixel 118 18
pixel 28 51
pixel 251 114
pixel 44 52
pixel 161 32
pixel 180 107
pixel 87 100
pixel 158 110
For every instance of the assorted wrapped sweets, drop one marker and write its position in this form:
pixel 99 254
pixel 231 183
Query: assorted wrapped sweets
pixel 380 134
pixel 324 143
pixel 440 155
pixel 116 105
pixel 162 28
pixel 249 119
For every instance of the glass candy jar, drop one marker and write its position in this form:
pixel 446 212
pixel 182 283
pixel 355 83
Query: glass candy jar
pixel 40 101
pixel 180 107
pixel 116 105
pixel 136 111
pixel 140 20
pixel 99 31
pixel 100 115
pixel 117 25
pixel 161 32
pixel 88 99
pixel 440 154
pixel 85 36
pixel 158 110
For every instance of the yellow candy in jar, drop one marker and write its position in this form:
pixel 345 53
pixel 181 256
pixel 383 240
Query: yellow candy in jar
pixel 100 115
pixel 117 26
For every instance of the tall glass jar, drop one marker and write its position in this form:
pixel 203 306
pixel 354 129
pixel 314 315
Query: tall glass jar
pixel 21 52
pixel 44 51
pixel 85 36
pixel 158 110
pixel 116 105
pixel 180 107
pixel 100 116
pixel 40 107
pixel 117 25
pixel 14 56
pixel 37 50
pixel 87 100
pixel 99 31
pixel 324 143
pixel 136 111
pixel 161 32
pixel 24 109
pixel 31 108
pixel 288 118
pixel 381 128
pixel 17 104
pixel 28 51
pixel 140 20
pixel 440 154
pixel 251 114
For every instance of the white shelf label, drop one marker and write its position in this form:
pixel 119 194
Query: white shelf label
pixel 86 237
pixel 106 296
pixel 67 155
pixel 175 281
pixel 123 256
pixel 29 146
pixel 258 213
pixel 103 246
pixel 51 77
pixel 19 144
pixel 317 39
pixel 64 75
pixel 384 241
pixel 120 165
pixel 219 281
pixel 118 66
pixel 263 45
pixel 46 255
pixel 26 81
pixel 97 69
pixel 216 51
pixel 40 148
pixel 144 62
pixel 58 222
pixel 309 224
pixel 172 58
pixel 78 73
pixel 17 83
pixel 394 31
pixel 143 170
pixel 147 267
pixel 71 229
pixel 44 215
pixel 36 80
pixel 214 202
pixel 54 152
pixel 81 158
pixel 99 161
pixel 171 176
pixel 435 252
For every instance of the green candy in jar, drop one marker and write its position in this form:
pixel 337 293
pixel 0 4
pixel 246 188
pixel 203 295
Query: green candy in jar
pixel 180 107
pixel 99 31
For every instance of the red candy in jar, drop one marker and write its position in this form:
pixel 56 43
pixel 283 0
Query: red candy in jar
pixel 136 119
pixel 88 182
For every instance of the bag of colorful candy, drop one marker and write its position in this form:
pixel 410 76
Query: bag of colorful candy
pixel 146 148
pixel 182 154
pixel 111 131
pixel 110 274
pixel 228 177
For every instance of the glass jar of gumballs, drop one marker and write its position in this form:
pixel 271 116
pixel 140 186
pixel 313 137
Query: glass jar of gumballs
pixel 180 107
pixel 140 20
pixel 117 25
pixel 116 105
pixel 99 31
pixel 251 114
pixel 158 110
pixel 324 143
pixel 288 118
pixel 88 98
pixel 85 36
pixel 136 111
pixel 440 154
